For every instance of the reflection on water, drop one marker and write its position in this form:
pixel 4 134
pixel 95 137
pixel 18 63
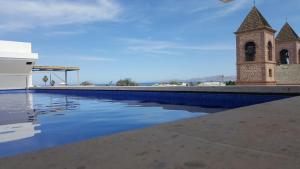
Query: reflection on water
pixel 33 121
pixel 17 131
pixel 18 115
pixel 192 109
pixel 16 108
pixel 55 104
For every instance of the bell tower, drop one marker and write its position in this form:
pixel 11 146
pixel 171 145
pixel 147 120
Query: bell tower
pixel 287 46
pixel 255 48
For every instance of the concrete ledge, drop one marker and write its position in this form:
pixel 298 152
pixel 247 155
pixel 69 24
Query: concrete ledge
pixel 294 90
pixel 260 136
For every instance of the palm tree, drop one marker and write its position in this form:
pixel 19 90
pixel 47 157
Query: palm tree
pixel 45 79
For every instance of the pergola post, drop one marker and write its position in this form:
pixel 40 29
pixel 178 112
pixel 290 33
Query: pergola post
pixel 78 78
pixel 66 78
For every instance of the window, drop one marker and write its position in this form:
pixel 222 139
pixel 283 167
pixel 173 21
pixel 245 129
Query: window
pixel 28 63
pixel 284 57
pixel 250 51
pixel 270 73
pixel 270 51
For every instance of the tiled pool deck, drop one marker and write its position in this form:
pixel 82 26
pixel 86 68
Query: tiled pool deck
pixel 264 136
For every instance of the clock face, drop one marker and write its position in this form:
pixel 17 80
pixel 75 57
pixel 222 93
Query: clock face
pixel 250 51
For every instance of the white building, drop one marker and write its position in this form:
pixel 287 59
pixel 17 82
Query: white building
pixel 171 85
pixel 212 84
pixel 16 63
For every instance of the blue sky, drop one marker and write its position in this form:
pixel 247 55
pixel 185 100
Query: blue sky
pixel 146 40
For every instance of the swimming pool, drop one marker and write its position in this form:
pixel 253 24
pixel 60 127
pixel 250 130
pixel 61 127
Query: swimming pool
pixel 40 119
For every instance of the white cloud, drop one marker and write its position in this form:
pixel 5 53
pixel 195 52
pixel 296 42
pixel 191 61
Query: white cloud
pixel 23 14
pixel 212 8
pixel 65 33
pixel 169 47
pixel 222 10
pixel 235 6
pixel 99 59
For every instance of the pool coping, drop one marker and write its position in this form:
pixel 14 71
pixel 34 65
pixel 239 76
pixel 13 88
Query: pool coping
pixel 258 136
pixel 287 90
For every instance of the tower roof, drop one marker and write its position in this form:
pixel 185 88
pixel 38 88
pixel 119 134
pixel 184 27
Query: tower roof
pixel 254 20
pixel 287 34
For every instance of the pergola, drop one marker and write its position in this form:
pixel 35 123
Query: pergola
pixel 57 69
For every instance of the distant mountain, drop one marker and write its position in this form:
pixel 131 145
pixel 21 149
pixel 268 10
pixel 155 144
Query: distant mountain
pixel 217 78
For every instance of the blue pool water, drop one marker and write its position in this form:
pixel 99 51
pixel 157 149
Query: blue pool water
pixel 31 121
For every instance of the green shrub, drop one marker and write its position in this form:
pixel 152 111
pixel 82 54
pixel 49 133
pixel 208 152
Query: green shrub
pixel 230 83
pixel 86 83
pixel 126 82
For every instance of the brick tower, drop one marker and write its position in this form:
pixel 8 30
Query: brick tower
pixel 287 46
pixel 255 43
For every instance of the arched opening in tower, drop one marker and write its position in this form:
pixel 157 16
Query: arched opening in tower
pixel 284 57
pixel 270 51
pixel 250 51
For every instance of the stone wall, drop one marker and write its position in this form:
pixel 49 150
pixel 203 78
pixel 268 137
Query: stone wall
pixel 251 72
pixel 288 74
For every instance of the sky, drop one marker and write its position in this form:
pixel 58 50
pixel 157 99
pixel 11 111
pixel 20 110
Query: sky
pixel 145 40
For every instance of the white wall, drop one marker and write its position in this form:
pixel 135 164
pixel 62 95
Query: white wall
pixel 15 73
pixel 15 47
pixel 9 49
pixel 13 82
pixel 15 66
